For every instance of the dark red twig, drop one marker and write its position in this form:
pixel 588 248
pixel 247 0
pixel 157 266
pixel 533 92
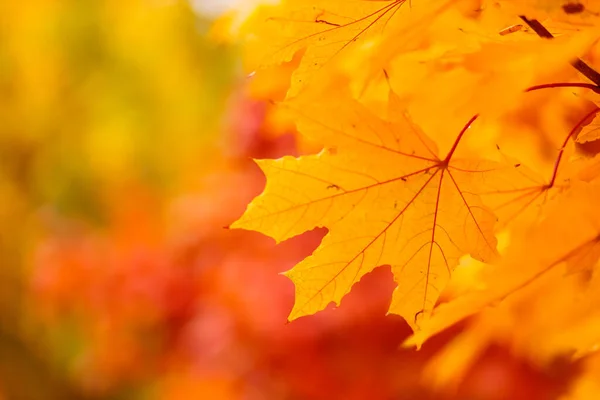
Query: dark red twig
pixel 578 63
pixel 589 86
pixel 573 131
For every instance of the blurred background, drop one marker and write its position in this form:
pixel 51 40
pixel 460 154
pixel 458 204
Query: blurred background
pixel 127 132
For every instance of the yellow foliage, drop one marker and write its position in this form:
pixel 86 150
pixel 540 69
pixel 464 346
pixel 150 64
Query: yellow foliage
pixel 372 78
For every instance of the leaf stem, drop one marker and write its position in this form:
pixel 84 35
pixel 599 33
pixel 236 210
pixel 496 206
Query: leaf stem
pixel 590 86
pixel 577 63
pixel 562 149
pixel 460 135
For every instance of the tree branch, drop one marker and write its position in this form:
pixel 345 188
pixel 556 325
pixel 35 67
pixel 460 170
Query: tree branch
pixel 578 63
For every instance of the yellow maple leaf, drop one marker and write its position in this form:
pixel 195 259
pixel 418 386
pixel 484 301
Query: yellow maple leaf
pixel 323 28
pixel 386 197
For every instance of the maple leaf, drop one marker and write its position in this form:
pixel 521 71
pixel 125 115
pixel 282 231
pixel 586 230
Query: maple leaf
pixel 574 12
pixel 459 84
pixel 590 132
pixel 326 30
pixel 570 233
pixel 523 196
pixel 386 197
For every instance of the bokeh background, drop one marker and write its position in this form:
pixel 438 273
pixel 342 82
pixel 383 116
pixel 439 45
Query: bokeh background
pixel 127 132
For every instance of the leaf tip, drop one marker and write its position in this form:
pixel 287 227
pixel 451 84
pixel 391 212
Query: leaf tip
pixel 293 316
pixel 413 341
pixel 234 225
pixel 284 273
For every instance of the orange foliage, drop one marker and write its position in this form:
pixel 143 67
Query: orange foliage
pixel 502 89
pixel 430 174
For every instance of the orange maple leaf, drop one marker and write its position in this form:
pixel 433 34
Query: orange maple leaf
pixel 591 131
pixel 524 198
pixel 386 197
pixel 569 236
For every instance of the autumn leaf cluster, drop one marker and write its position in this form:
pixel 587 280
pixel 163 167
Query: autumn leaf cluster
pixel 126 145
pixel 458 147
